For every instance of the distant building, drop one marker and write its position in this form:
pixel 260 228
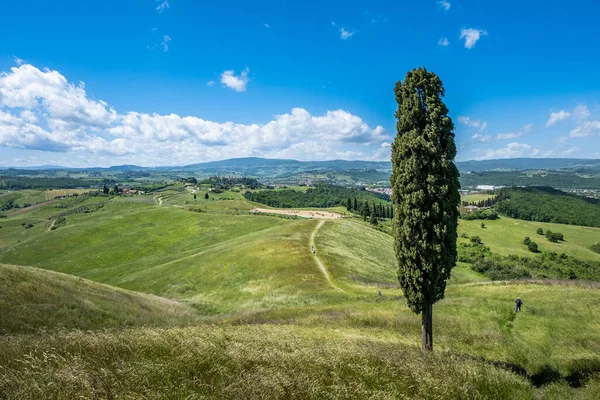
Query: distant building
pixel 488 187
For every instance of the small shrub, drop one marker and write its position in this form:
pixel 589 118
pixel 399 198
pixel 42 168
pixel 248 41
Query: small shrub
pixel 527 241
pixel 540 231
pixel 595 248
pixel 476 239
pixel 464 235
pixel 554 236
pixel 533 247
pixel 482 225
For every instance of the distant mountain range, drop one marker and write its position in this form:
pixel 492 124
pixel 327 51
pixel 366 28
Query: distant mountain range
pixel 257 164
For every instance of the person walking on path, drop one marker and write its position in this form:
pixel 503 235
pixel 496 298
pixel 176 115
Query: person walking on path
pixel 518 304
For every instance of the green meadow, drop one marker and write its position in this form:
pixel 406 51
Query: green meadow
pixel 161 295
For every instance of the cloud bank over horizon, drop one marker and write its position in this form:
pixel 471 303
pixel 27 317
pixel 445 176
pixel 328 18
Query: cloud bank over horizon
pixel 41 111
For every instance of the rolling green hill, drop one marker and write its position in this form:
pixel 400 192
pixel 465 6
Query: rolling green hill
pixel 263 309
pixel 545 204
pixel 32 299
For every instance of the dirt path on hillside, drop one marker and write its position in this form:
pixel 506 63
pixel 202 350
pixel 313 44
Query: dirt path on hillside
pixel 313 251
pixel 30 208
pixel 300 213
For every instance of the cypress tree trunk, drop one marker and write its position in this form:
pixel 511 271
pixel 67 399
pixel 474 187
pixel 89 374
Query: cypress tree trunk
pixel 427 327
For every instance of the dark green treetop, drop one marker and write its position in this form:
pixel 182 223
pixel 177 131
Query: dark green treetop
pixel 424 189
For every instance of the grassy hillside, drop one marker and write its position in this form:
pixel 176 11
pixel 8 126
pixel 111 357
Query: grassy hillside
pixel 266 314
pixel 505 236
pixel 32 299
pixel 548 205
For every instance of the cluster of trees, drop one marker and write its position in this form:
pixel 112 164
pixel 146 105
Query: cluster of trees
pixel 227 182
pixel 374 211
pixel 8 201
pixel 544 265
pixel 479 214
pixel 489 202
pixel 190 179
pixel 322 195
pixel 545 204
pixel 531 245
pixel 554 236
pixel 20 182
pixel 565 180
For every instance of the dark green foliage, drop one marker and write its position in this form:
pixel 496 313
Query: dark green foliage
pixel 546 265
pixel 482 225
pixel 20 182
pixel 496 270
pixel 489 202
pixel 469 253
pixel 548 205
pixel 206 196
pixel 105 189
pixel 373 219
pixel 349 205
pixel 475 239
pixel 425 190
pixel 595 248
pixel 322 196
pixel 479 214
pixel 554 236
pixel 116 189
pixel 8 201
pixel 540 231
pixel 365 211
pixel 532 246
pixel 227 182
pixel 194 196
pixel 526 241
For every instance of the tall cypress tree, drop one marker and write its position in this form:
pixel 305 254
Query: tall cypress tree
pixel 355 205
pixel 424 194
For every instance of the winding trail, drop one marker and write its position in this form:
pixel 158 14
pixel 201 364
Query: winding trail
pixel 317 260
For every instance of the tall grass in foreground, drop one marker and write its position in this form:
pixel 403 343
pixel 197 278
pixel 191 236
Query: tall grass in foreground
pixel 240 362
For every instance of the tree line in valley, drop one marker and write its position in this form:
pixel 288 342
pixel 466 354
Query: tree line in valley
pixel 20 182
pixel 373 211
pixel 322 195
pixel 544 204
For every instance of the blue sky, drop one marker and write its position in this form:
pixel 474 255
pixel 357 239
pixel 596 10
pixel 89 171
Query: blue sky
pixel 172 82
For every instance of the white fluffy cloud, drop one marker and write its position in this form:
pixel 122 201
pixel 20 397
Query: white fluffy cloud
pixel 471 36
pixel 162 5
pixel 41 110
pixel 481 138
pixel 346 34
pixel 511 135
pixel 443 42
pixel 237 83
pixel 444 5
pixel 581 113
pixel 512 150
pixel 473 123
pixel 557 116
pixel 588 128
pixel 514 135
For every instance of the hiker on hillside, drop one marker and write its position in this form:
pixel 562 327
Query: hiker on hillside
pixel 518 304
